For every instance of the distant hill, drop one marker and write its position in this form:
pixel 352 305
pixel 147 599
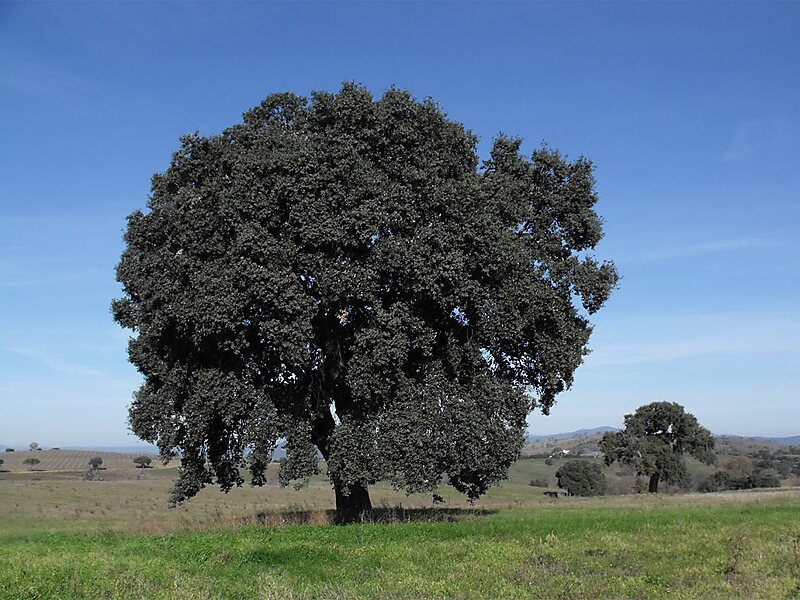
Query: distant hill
pixel 533 439
pixel 793 440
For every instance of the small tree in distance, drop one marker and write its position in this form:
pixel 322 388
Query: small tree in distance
pixel 654 440
pixel 581 478
pixel 142 462
pixel 739 467
pixel 94 465
pixel 31 462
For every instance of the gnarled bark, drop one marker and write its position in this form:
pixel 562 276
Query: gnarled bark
pixel 352 503
pixel 353 506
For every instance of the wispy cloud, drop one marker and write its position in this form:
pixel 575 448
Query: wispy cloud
pixel 30 77
pixel 46 250
pixel 662 341
pixel 758 139
pixel 75 411
pixel 657 351
pixel 56 279
pixel 57 364
pixel 716 247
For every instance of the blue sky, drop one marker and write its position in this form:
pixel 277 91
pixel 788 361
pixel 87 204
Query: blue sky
pixel 689 111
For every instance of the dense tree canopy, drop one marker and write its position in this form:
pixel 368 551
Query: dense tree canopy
pixel 342 274
pixel 654 440
pixel 582 477
pixel 142 462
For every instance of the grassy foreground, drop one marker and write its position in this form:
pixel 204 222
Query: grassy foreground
pixel 746 546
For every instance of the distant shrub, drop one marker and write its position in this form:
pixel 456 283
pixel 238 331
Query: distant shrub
pixel 142 462
pixel 31 462
pixel 716 482
pixel 95 462
pixel 639 485
pixel 581 478
pixel 722 481
pixel 765 478
pixel 9 450
pixel 739 467
pixel 784 468
pixel 548 461
pixel 539 483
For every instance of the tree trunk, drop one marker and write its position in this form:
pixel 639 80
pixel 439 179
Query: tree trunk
pixel 353 507
pixel 653 487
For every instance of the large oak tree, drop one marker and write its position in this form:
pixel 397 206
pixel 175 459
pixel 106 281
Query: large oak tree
pixel 341 273
pixel 654 440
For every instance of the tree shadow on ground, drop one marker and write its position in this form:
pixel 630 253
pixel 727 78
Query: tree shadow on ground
pixel 376 515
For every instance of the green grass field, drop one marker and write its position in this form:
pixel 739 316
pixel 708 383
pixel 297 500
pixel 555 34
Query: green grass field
pixel 63 537
pixel 731 546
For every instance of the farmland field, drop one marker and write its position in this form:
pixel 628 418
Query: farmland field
pixel 66 460
pixel 134 500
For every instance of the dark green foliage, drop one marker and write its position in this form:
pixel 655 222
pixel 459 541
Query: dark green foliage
pixel 654 440
pixel 739 467
pixel 9 450
pixel 782 466
pixel 724 480
pixel 95 462
pixel 539 483
pixel 142 462
pixel 717 482
pixel 31 462
pixel 581 478
pixel 338 272
pixel 765 478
